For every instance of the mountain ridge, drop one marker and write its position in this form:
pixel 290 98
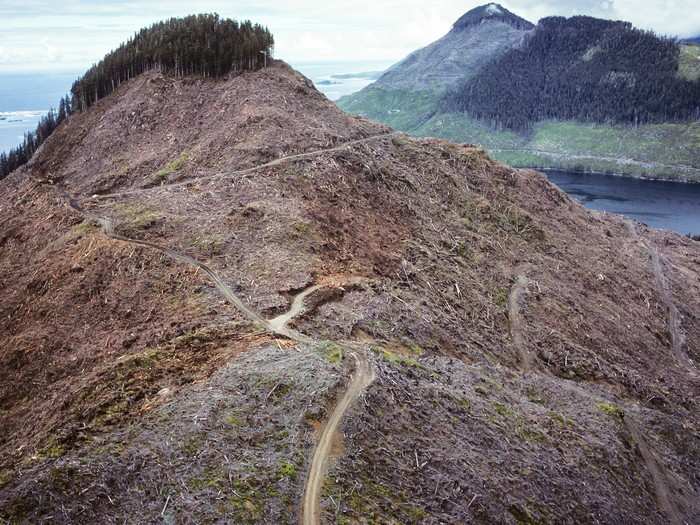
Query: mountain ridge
pixel 492 11
pixel 473 40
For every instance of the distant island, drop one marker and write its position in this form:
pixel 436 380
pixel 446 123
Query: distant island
pixel 368 75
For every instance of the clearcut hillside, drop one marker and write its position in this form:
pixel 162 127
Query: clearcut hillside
pixel 228 301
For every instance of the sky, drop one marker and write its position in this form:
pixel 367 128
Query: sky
pixel 70 35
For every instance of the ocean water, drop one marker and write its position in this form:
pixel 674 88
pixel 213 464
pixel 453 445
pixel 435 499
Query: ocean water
pixel 337 79
pixel 24 98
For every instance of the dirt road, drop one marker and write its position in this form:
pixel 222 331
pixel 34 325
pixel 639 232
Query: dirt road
pixel 515 321
pixel 673 316
pixel 658 473
pixel 247 171
pixel 362 378
pixel 225 290
pixel 280 322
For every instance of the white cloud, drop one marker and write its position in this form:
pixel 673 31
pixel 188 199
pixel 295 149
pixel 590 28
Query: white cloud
pixel 71 35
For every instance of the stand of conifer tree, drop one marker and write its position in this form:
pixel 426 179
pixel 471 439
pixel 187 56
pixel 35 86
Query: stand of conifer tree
pixel 203 45
pixel 581 68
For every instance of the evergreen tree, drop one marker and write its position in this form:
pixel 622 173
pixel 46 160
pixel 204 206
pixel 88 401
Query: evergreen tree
pixel 203 45
pixel 582 68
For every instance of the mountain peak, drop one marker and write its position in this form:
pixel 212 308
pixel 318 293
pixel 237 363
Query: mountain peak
pixel 488 12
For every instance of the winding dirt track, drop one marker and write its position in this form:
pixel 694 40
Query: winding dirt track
pixel 658 473
pixel 247 171
pixel 281 321
pixel 515 321
pixel 361 379
pixel 673 317
pixel 108 229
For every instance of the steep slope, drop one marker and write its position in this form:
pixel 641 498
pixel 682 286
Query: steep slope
pixel 474 40
pixel 546 103
pixel 203 279
pixel 407 93
pixel 582 68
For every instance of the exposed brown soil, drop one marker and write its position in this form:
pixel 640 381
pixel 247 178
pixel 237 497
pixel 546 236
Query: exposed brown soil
pixel 515 298
pixel 362 377
pixel 132 387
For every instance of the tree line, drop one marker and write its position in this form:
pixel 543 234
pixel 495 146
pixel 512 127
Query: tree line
pixel 581 68
pixel 20 155
pixel 202 45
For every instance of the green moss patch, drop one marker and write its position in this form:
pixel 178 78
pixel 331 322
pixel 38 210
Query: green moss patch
pixel 170 168
pixel 611 410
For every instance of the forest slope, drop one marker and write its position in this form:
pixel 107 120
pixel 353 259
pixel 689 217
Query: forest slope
pixel 131 387
pixel 585 69
pixel 580 77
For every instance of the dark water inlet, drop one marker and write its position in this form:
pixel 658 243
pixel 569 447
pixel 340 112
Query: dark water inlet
pixel 659 204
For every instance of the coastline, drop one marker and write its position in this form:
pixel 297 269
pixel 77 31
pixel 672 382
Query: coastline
pixel 609 174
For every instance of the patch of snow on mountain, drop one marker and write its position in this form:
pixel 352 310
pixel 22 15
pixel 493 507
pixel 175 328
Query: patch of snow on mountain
pixel 493 9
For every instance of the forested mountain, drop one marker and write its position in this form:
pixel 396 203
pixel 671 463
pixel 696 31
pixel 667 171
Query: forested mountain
pixel 585 69
pixel 579 94
pixel 407 94
pixel 203 45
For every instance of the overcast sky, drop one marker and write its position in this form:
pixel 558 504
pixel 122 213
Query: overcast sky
pixel 38 35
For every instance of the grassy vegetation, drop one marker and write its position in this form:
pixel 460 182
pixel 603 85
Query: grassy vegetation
pixel 85 228
pixel 233 420
pixel 689 64
pixel 301 229
pixel 331 352
pixel 170 168
pixel 397 359
pixel 669 151
pixel 459 127
pixel 672 144
pixel 372 503
pixel 403 110
pixel 136 217
pixel 611 410
pixel 211 244
pixel 5 477
pixel 52 450
pixel 525 429
pixel 287 470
